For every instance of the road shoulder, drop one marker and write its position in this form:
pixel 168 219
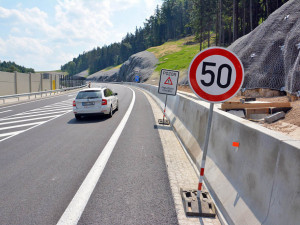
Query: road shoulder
pixel 180 171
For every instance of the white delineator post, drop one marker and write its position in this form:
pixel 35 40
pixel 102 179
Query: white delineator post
pixel 207 134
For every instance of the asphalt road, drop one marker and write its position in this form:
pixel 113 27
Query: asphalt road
pixel 45 155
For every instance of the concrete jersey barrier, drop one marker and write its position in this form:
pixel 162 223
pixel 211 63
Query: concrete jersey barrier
pixel 256 183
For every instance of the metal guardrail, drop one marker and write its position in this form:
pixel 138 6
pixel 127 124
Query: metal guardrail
pixel 38 93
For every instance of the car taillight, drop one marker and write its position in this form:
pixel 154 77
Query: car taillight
pixel 104 102
pixel 74 103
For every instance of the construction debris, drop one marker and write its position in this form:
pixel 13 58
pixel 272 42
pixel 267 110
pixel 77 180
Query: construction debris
pixel 238 105
pixel 274 117
pixel 254 110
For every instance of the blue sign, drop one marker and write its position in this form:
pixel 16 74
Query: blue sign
pixel 137 78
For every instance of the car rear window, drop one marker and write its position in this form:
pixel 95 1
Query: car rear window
pixel 89 94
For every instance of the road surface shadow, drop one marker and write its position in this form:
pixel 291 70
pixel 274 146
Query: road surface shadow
pixel 166 127
pixel 89 119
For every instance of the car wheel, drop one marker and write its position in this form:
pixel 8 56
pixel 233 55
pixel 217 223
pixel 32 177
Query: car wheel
pixel 110 112
pixel 78 117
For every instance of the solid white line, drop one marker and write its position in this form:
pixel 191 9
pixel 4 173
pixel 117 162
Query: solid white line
pixel 19 121
pixel 6 111
pixel 74 210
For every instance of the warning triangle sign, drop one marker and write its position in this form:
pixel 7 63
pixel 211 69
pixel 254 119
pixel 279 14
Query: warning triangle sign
pixel 169 81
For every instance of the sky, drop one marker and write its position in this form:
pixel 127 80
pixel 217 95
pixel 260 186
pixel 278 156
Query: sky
pixel 45 34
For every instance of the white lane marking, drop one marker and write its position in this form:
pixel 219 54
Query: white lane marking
pixel 53 108
pixel 19 116
pixel 10 133
pixel 74 210
pixel 6 111
pixel 34 101
pixel 22 125
pixel 33 127
pixel 32 112
pixel 57 106
pixel 67 102
pixel 19 121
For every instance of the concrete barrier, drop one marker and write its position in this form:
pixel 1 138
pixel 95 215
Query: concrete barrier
pixel 36 85
pixel 256 183
pixel 22 83
pixel 7 83
pixel 18 83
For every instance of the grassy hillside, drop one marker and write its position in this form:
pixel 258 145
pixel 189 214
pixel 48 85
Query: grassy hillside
pixel 174 55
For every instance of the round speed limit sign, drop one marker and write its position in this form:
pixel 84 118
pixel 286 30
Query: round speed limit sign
pixel 216 74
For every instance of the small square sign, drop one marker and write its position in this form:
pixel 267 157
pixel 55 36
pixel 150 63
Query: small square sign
pixel 168 82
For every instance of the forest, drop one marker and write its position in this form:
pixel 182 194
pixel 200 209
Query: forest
pixel 12 67
pixel 214 22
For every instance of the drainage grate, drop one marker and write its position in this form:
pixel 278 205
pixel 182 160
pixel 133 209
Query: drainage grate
pixel 193 206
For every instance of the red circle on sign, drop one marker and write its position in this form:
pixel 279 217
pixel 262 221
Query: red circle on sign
pixel 222 52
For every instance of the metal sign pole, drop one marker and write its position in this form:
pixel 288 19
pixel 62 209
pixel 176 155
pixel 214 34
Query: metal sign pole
pixel 207 134
pixel 165 109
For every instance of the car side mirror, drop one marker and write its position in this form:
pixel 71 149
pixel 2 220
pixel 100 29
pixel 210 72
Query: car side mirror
pixel 115 93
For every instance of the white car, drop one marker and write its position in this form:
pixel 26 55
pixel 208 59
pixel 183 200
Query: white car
pixel 95 101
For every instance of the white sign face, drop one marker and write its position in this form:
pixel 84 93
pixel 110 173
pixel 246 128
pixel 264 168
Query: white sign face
pixel 168 82
pixel 216 74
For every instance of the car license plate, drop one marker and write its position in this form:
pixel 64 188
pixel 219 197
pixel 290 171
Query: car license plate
pixel 88 103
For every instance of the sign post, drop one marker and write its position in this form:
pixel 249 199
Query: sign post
pixel 168 86
pixel 215 75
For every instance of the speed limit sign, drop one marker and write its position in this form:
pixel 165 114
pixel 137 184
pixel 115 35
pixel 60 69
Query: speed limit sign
pixel 216 74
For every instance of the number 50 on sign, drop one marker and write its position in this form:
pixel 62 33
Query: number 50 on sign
pixel 216 74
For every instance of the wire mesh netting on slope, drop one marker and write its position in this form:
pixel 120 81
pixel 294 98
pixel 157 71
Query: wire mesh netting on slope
pixel 271 53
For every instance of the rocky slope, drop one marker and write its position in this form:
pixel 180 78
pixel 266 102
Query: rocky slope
pixel 105 76
pixel 141 64
pixel 271 53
